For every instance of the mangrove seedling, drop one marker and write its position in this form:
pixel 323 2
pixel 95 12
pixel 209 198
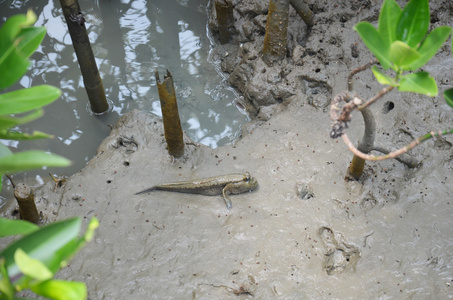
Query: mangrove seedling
pixel 400 43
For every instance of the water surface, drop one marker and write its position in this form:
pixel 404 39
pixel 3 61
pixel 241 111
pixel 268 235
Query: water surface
pixel 129 39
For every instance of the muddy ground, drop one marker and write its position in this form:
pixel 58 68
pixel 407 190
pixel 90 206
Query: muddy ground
pixel 305 233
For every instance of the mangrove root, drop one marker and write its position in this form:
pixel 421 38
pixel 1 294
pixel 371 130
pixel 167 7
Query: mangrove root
pixel 26 200
pixel 303 11
pixel 82 47
pixel 225 19
pixel 170 115
pixel 275 39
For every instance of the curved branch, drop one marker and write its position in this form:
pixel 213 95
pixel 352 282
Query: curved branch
pixel 404 158
pixel 396 153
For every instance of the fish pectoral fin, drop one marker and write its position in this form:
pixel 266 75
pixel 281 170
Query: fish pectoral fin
pixel 226 193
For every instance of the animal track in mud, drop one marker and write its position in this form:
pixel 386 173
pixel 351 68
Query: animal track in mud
pixel 129 143
pixel 319 93
pixel 339 256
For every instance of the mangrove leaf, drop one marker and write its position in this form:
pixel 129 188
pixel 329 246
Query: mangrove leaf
pixel 13 227
pixel 413 23
pixel 388 17
pixel 32 159
pixel 432 43
pixel 420 82
pixel 402 55
pixel 24 100
pixel 374 41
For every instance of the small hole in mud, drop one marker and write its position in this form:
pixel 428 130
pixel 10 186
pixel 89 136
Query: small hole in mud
pixel 279 100
pixel 388 106
pixel 318 70
pixel 126 163
pixel 109 181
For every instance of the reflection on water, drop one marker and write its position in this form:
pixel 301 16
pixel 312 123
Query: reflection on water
pixel 130 39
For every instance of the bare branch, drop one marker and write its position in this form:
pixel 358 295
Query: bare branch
pixel 380 94
pixel 358 70
pixel 395 153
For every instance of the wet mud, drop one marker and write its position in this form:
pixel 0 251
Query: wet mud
pixel 305 233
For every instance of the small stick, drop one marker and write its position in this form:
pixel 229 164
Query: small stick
pixel 11 180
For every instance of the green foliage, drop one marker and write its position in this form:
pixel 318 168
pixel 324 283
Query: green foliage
pixel 32 261
pixel 401 43
pixel 13 227
pixel 18 40
pixel 448 94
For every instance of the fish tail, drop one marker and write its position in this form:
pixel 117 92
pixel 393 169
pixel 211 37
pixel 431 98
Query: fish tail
pixel 146 191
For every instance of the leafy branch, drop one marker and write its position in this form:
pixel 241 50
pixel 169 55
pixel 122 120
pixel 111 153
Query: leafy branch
pixel 401 43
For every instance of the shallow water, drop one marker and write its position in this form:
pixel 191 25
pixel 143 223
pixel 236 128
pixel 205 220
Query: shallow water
pixel 129 41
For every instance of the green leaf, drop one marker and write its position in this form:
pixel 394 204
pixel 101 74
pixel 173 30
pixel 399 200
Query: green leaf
pixel 8 122
pixel 388 17
pixel 61 290
pixel 24 100
pixel 383 78
pixel 15 64
pixel 13 227
pixel 89 234
pixel 6 288
pixel 10 30
pixel 19 136
pixel 16 44
pixel 29 40
pixel 75 245
pixel 31 266
pixel 413 23
pixel 4 150
pixel 402 55
pixel 42 244
pixel 448 94
pixel 12 27
pixel 373 40
pixel 32 159
pixel 420 82
pixel 435 39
